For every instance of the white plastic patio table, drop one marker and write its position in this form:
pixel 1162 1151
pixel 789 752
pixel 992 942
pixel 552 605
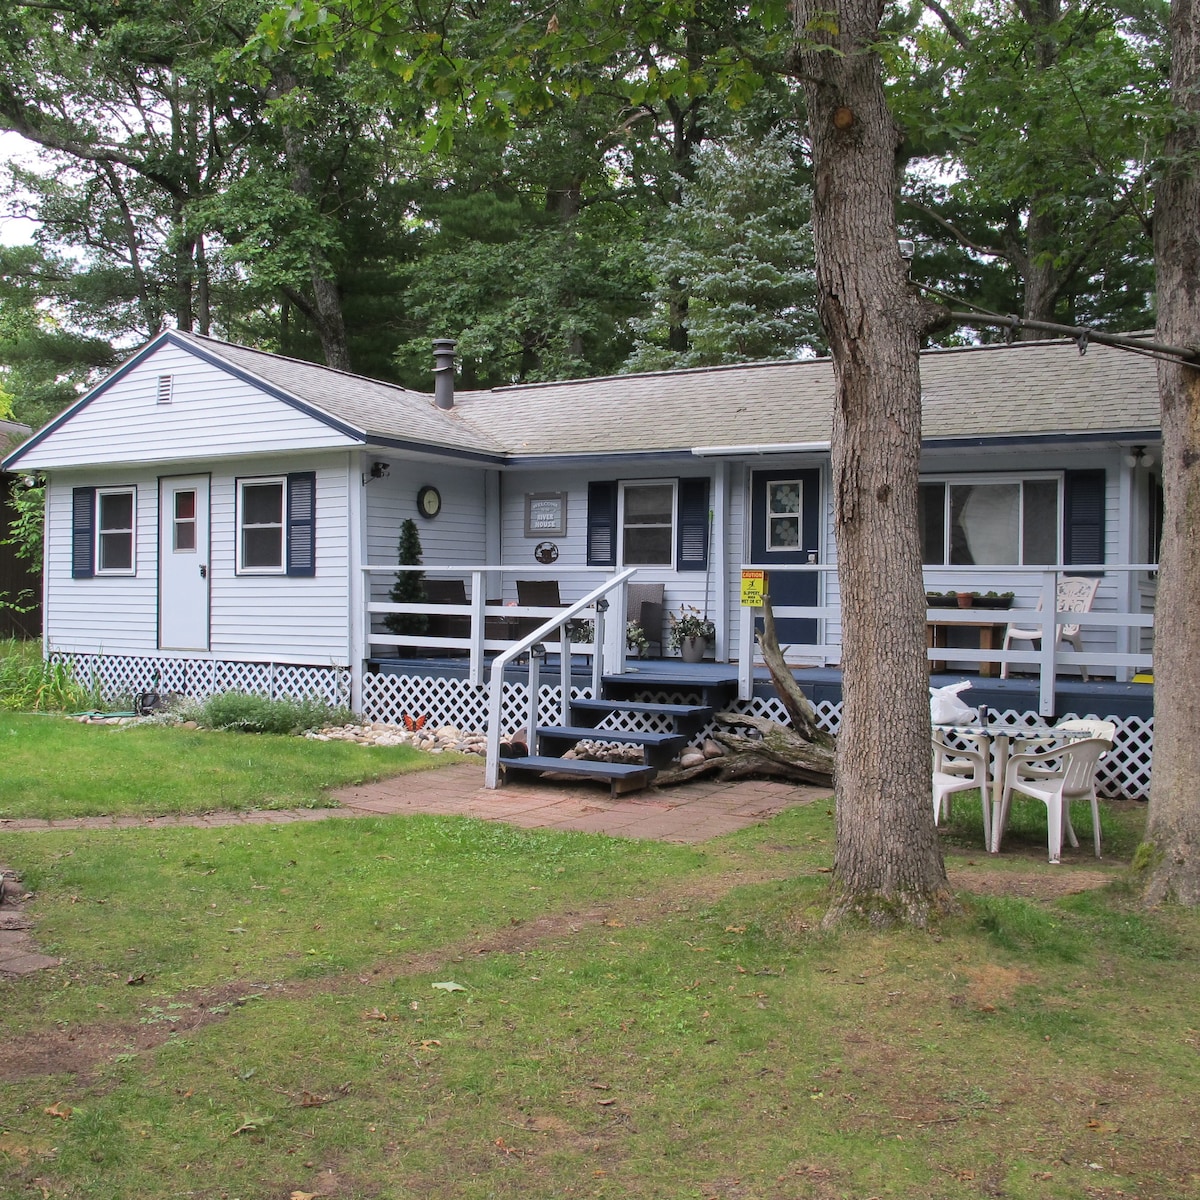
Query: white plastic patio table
pixel 999 736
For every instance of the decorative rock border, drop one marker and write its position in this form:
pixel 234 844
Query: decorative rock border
pixel 435 741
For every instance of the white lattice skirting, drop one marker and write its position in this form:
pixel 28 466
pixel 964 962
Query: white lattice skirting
pixel 389 698
pixel 443 701
pixel 119 677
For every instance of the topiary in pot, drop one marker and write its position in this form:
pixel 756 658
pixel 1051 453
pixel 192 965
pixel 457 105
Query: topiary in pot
pixel 408 588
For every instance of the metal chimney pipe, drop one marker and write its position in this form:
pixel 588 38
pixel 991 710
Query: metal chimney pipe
pixel 443 372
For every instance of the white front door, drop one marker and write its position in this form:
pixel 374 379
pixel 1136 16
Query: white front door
pixel 183 563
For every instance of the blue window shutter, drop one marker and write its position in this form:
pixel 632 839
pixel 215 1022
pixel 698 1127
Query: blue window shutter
pixel 692 554
pixel 602 525
pixel 83 532
pixel 302 523
pixel 1083 516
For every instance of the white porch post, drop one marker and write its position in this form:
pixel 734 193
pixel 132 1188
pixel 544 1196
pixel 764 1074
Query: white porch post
pixel 718 561
pixel 1049 623
pixel 1127 552
pixel 358 586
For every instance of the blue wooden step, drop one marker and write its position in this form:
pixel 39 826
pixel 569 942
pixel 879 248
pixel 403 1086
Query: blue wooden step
pixel 686 718
pixel 715 689
pixel 621 777
pixel 658 749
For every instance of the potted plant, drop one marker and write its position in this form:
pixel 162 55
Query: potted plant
pixel 691 633
pixel 636 642
pixel 997 600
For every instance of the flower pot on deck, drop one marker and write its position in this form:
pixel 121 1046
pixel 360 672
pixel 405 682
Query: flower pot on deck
pixel 692 649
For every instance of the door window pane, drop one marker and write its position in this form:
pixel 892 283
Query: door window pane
pixel 784 511
pixel 185 521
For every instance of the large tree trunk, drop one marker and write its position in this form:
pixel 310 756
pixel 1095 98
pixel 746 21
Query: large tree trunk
pixel 887 863
pixel 1173 826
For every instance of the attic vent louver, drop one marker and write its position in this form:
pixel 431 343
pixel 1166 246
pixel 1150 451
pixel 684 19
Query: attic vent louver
pixel 164 389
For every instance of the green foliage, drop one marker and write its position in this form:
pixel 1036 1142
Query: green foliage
pixel 735 252
pixel 29 683
pixel 408 588
pixel 44 366
pixel 1031 138
pixel 242 712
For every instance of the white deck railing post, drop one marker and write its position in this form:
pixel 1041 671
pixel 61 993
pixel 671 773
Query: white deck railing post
pixel 1049 650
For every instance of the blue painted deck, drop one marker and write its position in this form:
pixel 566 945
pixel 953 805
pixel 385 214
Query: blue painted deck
pixel 1103 697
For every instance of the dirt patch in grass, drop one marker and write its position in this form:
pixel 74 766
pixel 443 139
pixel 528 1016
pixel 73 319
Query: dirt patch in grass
pixel 1031 884
pixel 78 1051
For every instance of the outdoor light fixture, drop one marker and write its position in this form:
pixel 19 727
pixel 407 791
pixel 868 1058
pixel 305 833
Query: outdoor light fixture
pixel 1139 456
pixel 379 470
pixel 907 249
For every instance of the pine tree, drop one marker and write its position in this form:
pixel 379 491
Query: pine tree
pixel 408 588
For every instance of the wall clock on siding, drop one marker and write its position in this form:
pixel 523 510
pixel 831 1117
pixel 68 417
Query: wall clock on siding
pixel 429 501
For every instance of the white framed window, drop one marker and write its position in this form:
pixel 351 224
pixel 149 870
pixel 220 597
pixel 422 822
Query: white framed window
pixel 992 520
pixel 647 522
pixel 260 525
pixel 116 510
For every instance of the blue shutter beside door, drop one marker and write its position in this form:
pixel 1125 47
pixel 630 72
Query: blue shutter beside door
pixel 692 554
pixel 83 531
pixel 1083 516
pixel 301 523
pixel 602 525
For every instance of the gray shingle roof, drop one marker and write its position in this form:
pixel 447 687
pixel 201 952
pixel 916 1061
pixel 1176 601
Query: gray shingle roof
pixel 1028 388
pixel 380 411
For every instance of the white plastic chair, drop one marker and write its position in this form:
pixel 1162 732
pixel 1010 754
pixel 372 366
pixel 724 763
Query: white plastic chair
pixel 956 770
pixel 1074 594
pixel 1056 777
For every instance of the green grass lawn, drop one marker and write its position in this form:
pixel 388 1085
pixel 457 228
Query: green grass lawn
pixel 55 768
pixel 441 1008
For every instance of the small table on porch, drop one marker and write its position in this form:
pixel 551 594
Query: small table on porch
pixel 991 637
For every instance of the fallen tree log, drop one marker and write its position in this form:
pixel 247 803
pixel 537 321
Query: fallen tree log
pixel 755 747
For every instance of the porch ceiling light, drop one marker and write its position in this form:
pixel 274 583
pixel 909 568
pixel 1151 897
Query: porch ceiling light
pixel 1139 456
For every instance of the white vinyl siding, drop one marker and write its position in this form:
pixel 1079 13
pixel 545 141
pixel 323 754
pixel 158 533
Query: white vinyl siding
pixel 108 612
pixel 455 536
pixel 212 414
pixel 681 587
pixel 254 618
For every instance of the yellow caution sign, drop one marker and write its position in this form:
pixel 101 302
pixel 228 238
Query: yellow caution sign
pixel 754 585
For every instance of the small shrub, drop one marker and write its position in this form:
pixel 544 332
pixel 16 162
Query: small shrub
pixel 245 713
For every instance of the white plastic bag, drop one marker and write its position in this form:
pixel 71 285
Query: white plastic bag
pixel 945 708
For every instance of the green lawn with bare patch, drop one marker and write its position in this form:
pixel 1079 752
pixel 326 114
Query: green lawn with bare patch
pixel 433 1007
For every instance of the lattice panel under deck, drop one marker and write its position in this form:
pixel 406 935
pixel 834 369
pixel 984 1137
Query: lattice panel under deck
pixel 442 701
pixel 119 677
